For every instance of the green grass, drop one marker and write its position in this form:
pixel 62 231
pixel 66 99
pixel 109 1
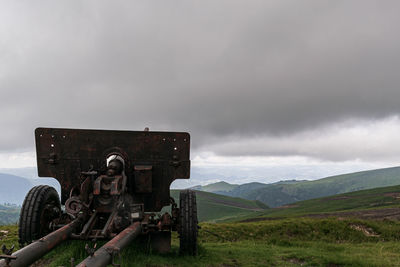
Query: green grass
pixel 378 198
pixel 371 200
pixel 330 230
pixel 285 242
pixel 287 237
pixel 212 212
pixel 9 235
pixel 214 208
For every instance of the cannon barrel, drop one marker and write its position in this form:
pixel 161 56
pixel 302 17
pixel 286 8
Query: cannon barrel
pixel 39 248
pixel 104 255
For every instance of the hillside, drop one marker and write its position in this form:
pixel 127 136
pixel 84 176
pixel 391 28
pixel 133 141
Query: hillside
pixel 13 188
pixel 379 203
pixel 216 187
pixel 9 214
pixel 213 207
pixel 279 238
pixel 283 193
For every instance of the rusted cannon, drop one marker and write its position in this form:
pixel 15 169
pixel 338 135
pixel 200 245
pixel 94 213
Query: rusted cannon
pixel 114 185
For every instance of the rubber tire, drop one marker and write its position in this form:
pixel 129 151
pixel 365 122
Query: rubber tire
pixel 188 223
pixel 32 221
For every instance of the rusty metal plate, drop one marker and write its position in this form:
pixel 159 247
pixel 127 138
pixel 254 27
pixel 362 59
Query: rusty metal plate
pixel 143 179
pixel 65 153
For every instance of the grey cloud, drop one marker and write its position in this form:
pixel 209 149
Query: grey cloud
pixel 216 69
pixel 365 141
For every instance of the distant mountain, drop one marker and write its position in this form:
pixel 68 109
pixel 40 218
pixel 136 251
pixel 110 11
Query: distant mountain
pixel 216 187
pixel 13 188
pixel 290 182
pixel 9 214
pixel 286 192
pixel 26 172
pixel 228 189
pixel 244 188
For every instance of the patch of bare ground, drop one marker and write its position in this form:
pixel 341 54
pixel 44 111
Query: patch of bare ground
pixel 367 231
pixel 394 195
pixel 234 263
pixel 41 262
pixel 288 206
pixel 296 261
pixel 336 198
pixel 3 234
pixel 259 219
pixel 376 214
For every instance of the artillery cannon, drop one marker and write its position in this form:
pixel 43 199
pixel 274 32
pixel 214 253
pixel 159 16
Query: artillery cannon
pixel 114 185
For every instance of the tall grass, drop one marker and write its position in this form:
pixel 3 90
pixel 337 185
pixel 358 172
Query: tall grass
pixel 285 242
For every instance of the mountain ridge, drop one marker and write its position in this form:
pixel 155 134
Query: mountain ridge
pixel 10 184
pixel 290 191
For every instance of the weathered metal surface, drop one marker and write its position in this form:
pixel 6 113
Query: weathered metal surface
pixel 143 179
pixel 114 183
pixel 113 187
pixel 65 153
pixel 38 249
pixel 104 255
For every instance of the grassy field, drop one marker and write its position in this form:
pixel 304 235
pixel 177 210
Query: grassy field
pixel 284 242
pixel 377 203
pixel 214 208
pixel 354 229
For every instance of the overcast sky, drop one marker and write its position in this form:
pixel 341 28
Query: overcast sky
pixel 256 83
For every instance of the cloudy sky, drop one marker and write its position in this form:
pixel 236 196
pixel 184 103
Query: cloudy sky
pixel 269 90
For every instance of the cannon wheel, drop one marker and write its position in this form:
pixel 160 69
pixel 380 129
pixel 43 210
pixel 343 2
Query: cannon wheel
pixel 40 207
pixel 188 223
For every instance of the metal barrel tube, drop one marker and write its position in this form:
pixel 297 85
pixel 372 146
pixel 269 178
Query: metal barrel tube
pixel 103 256
pixel 34 251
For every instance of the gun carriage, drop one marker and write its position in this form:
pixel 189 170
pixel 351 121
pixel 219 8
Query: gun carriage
pixel 114 184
